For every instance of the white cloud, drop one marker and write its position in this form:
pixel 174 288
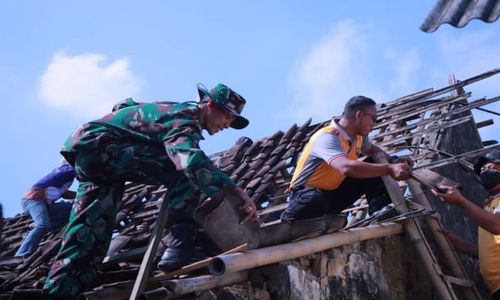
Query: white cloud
pixel 84 85
pixel 406 67
pixel 469 53
pixel 351 60
pixel 466 54
pixel 347 62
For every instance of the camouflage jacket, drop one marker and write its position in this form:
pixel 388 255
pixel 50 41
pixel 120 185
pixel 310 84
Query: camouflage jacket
pixel 176 126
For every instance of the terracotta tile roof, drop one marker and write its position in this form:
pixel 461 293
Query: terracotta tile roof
pixel 262 167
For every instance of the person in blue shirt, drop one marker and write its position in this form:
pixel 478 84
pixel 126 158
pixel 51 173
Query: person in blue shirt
pixel 42 204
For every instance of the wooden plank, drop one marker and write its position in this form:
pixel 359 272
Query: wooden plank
pixel 163 190
pixel 411 98
pixel 10 261
pixel 461 156
pixel 144 214
pixel 471 105
pixel 462 83
pixel 407 127
pixel 396 110
pixel 423 132
pixel 417 111
pixel 489 143
pixel 484 123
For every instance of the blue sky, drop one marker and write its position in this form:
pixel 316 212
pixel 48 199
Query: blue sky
pixel 63 63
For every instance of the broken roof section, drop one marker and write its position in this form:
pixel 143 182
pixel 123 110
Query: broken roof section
pixel 458 13
pixel 263 168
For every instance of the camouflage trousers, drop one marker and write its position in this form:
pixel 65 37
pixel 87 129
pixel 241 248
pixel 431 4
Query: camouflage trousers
pixel 102 174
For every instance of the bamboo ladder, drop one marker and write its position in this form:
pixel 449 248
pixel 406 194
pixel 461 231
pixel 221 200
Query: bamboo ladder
pixel 148 259
pixel 443 283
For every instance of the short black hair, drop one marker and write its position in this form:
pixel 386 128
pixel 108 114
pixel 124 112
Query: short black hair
pixel 357 103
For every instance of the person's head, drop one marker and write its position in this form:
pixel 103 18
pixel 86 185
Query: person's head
pixel 222 108
pixel 362 113
pixel 487 168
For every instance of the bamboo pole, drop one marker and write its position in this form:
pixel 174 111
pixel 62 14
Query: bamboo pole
pixel 167 289
pixel 112 291
pixel 259 257
pixel 122 290
pixel 195 266
pixel 176 287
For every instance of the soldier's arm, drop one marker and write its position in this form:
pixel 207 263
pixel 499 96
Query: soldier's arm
pixel 182 145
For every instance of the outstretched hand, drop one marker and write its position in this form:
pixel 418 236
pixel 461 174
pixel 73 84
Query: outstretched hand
pixel 248 207
pixel 400 171
pixel 451 194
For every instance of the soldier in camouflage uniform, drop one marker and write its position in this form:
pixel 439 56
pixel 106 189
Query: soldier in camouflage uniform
pixel 152 143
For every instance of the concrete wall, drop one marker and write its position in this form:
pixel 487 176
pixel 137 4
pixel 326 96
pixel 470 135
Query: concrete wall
pixel 386 268
pixel 376 269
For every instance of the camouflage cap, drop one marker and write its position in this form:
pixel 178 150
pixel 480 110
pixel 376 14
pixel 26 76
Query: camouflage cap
pixel 493 157
pixel 229 100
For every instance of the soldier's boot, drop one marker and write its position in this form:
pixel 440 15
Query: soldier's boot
pixel 181 248
pixel 220 218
